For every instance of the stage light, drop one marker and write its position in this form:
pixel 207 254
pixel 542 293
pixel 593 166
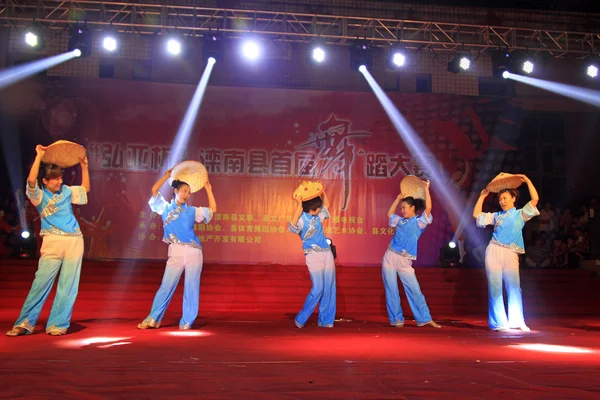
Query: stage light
pixel 31 39
pixel 450 255
pixel 251 50
pixel 109 43
pixel 398 59
pixel 77 53
pixel 318 54
pixel 505 74
pixel 212 60
pixel 174 47
pixel 212 47
pixel 186 333
pixel 80 39
pixel 592 71
pixel 25 234
pixel 361 57
pixel 460 62
pixel 527 67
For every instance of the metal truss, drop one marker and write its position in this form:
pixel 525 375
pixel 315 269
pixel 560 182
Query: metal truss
pixel 296 27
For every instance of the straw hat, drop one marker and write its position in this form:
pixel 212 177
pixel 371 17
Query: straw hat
pixel 63 153
pixel 411 186
pixel 504 181
pixel 191 172
pixel 308 190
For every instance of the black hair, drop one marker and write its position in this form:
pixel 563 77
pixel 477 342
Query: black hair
pixel 312 204
pixel 48 171
pixel 418 203
pixel 512 192
pixel 176 185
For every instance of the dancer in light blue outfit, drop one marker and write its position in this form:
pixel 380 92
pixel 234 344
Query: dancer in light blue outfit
pixel 307 223
pixel 502 255
pixel 398 259
pixel 185 250
pixel 62 244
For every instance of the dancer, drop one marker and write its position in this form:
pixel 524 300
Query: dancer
pixel 185 250
pixel 502 253
pixel 398 259
pixel 307 222
pixel 62 243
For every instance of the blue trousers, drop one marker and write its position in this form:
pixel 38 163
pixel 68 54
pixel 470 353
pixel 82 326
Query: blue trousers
pixel 322 274
pixel 502 264
pixel 56 250
pixel 395 265
pixel 181 258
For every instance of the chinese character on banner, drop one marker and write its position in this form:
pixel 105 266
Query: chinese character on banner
pixel 158 156
pixel 359 231
pixel 401 163
pixel 258 162
pixel 211 158
pixel 424 167
pixel 218 228
pixel 375 231
pixel 141 236
pixel 142 225
pixel 201 227
pixel 359 220
pixel 352 220
pixel 241 239
pixel 209 228
pixel 234 162
pixel 225 239
pixel 305 163
pixel 233 228
pixel 377 165
pixel 217 217
pixel 266 218
pixel 335 150
pixel 217 239
pixel 249 239
pixel 142 214
pixel 281 163
pixel 225 217
pixel 152 236
pixel 153 225
pixel 256 239
pixel 234 217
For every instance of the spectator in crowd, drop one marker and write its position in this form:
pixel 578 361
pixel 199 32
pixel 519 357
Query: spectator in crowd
pixel 538 255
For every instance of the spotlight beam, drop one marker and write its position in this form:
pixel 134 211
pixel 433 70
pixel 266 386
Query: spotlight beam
pixel 185 129
pixel 10 76
pixel 588 96
pixel 415 145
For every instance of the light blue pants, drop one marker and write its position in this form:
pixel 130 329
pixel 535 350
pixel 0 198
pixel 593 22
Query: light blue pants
pixel 503 264
pixel 56 250
pixel 395 265
pixel 180 258
pixel 322 274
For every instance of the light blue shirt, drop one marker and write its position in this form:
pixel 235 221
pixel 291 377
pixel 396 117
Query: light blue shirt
pixel 56 210
pixel 178 221
pixel 407 234
pixel 310 230
pixel 508 226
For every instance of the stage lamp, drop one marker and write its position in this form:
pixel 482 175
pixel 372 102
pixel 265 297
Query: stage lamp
pixel 450 255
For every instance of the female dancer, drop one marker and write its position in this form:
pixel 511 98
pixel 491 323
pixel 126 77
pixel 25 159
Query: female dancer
pixel 62 244
pixel 398 259
pixel 185 250
pixel 502 255
pixel 307 223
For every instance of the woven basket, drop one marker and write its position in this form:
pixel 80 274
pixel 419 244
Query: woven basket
pixel 411 186
pixel 308 190
pixel 191 172
pixel 504 181
pixel 63 153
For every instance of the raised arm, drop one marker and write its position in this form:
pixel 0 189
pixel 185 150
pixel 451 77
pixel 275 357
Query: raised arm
pixel 161 182
pixel 427 199
pixel 297 213
pixel 35 168
pixel 212 203
pixel 532 191
pixel 85 174
pixel 479 204
pixel 394 205
pixel 325 200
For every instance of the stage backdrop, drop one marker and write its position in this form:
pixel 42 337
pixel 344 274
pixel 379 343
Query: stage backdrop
pixel 257 145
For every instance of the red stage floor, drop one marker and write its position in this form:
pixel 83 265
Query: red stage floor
pixel 259 356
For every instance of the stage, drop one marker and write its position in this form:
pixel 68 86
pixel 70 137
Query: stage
pixel 235 352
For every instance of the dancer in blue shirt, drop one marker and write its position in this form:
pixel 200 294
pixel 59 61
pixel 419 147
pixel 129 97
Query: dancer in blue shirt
pixel 185 250
pixel 307 222
pixel 62 245
pixel 502 255
pixel 397 260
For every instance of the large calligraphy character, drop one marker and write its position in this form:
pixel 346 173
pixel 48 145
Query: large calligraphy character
pixel 333 141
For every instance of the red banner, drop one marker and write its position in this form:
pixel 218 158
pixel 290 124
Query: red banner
pixel 257 145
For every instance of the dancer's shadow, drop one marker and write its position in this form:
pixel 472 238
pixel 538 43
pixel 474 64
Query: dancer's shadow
pixel 581 327
pixel 462 325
